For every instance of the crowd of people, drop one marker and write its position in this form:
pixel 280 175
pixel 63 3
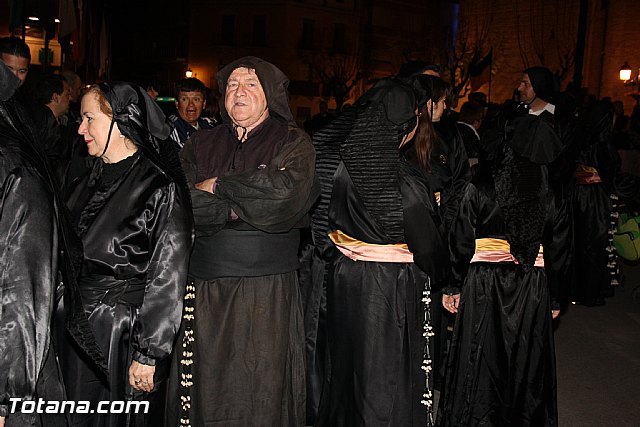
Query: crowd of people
pixel 242 272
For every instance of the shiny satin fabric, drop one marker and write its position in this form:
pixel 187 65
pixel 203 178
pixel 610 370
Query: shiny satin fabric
pixel 30 259
pixel 592 209
pixel 375 315
pixel 497 250
pixel 501 366
pixel 376 346
pixel 137 235
pixel 501 369
pixel 361 251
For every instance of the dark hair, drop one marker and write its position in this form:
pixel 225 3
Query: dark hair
pixel 424 140
pixel 479 97
pixel 438 89
pixel 191 85
pixel 14 46
pixel 47 86
pixel 471 112
pixel 415 67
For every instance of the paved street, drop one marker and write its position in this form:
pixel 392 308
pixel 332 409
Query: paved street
pixel 598 357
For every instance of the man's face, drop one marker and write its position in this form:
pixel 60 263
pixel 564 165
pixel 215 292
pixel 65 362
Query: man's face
pixel 65 98
pixel 18 66
pixel 525 90
pixel 244 99
pixel 74 91
pixel 190 106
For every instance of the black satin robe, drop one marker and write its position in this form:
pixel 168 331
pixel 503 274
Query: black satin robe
pixel 591 218
pixel 374 311
pixel 137 236
pixel 501 365
pixel 29 258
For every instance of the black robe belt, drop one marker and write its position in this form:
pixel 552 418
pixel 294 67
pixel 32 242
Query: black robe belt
pixel 108 290
pixel 241 253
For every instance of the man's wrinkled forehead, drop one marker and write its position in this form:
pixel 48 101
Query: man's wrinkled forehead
pixel 243 73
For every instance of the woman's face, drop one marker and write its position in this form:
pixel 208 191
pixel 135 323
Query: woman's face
pixel 436 109
pixel 95 127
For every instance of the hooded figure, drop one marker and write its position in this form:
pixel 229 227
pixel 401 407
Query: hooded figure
pixel 252 185
pixel 134 218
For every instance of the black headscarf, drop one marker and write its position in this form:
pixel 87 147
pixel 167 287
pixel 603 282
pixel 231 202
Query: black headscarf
pixel 140 119
pixel 544 83
pixel 274 83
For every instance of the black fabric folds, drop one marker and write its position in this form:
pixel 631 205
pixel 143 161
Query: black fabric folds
pixel 38 249
pixel 141 120
pixel 371 156
pixel 501 367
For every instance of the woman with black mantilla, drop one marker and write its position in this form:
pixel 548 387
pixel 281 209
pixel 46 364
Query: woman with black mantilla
pixel 133 215
pixel 384 246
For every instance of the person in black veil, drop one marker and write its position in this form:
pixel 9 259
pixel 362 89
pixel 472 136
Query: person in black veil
pixel 504 252
pixel 380 241
pixel 35 254
pixel 134 218
pixel 594 175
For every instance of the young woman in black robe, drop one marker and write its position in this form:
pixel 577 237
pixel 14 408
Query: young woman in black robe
pixel 134 218
pixel 501 366
pixel 386 247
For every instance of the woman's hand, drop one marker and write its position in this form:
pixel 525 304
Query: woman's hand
pixel 555 313
pixel 141 376
pixel 207 185
pixel 450 302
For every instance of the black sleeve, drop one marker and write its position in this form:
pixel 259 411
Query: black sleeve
pixel 210 212
pixel 423 231
pixel 462 238
pixel 275 198
pixel 28 258
pixel 557 254
pixel 461 175
pixel 156 326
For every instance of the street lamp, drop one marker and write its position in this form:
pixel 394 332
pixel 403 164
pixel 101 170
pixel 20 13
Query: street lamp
pixel 188 73
pixel 625 72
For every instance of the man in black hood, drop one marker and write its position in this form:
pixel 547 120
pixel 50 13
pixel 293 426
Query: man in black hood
pixel 538 89
pixel 252 185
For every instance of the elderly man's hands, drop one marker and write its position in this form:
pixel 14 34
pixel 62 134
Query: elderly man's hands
pixel 207 185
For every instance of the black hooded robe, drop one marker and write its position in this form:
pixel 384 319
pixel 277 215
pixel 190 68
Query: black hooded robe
pixel 244 355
